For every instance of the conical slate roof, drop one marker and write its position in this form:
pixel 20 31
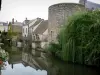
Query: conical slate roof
pixel 92 5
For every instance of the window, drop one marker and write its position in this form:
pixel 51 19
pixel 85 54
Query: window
pixel 38 37
pixel 26 30
pixel 25 35
pixel 51 34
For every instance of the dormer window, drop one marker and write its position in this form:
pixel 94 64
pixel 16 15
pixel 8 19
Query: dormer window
pixel 38 37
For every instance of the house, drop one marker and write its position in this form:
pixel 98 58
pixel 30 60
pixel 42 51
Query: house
pixel 3 26
pixel 25 28
pixel 28 26
pixel 32 25
pixel 16 26
pixel 35 30
pixel 40 34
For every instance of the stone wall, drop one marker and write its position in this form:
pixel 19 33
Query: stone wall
pixel 58 15
pixel 16 28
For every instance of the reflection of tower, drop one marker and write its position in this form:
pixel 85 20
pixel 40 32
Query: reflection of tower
pixel 12 66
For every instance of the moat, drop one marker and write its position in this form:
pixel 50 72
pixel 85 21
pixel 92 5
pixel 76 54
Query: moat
pixel 23 62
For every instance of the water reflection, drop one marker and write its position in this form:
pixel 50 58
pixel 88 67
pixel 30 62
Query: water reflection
pixel 20 69
pixel 23 61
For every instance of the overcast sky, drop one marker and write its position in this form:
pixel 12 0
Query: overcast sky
pixel 20 9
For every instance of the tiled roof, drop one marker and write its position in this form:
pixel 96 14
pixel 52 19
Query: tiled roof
pixel 3 23
pixel 26 22
pixel 42 27
pixel 32 20
pixel 36 23
pixel 18 23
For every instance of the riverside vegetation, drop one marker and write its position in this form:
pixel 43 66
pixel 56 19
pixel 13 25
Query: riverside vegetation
pixel 79 39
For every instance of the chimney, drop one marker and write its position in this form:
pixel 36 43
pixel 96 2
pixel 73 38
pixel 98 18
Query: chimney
pixel 38 18
pixel 13 21
pixel 83 2
pixel 26 18
pixel 12 66
pixel 7 22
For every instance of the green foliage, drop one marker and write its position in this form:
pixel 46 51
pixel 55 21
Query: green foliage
pixel 79 39
pixel 10 30
pixel 55 49
pixel 4 37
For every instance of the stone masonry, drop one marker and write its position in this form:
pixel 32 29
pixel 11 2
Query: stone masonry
pixel 58 15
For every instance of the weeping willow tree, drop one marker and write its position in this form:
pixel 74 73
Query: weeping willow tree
pixel 79 39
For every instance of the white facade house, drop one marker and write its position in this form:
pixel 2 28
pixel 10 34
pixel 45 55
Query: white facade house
pixel 35 30
pixel 3 26
pixel 25 31
pixel 25 28
pixel 40 30
pixel 40 33
pixel 28 26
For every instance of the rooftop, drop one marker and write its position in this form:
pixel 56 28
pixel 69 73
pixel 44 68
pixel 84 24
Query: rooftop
pixel 4 23
pixel 37 21
pixel 91 5
pixel 42 27
pixel 18 23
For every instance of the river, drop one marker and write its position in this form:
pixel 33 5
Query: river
pixel 30 62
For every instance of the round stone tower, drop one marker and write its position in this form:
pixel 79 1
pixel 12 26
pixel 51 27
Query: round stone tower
pixel 58 15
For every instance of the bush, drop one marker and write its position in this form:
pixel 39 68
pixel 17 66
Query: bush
pixel 55 49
